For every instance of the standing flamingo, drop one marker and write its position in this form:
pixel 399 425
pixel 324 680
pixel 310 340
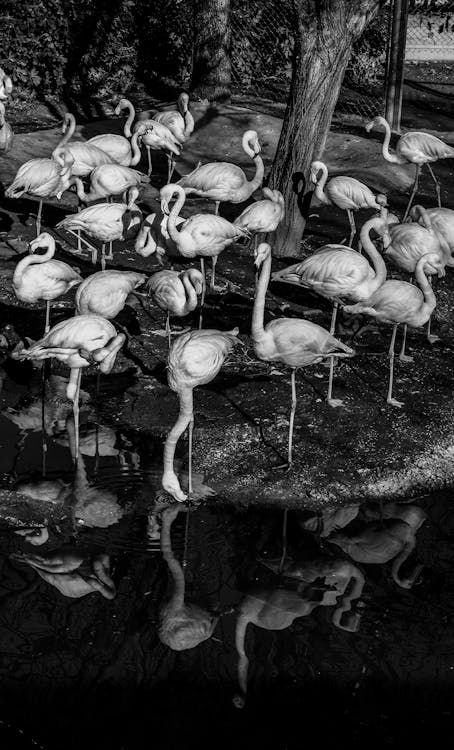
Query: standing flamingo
pixel 222 181
pixel 157 137
pixel 202 235
pixel 86 155
pixel 108 180
pixel 78 342
pixel 414 148
pixel 296 343
pixel 180 123
pixel 176 292
pixel 42 178
pixel 106 222
pixel 105 292
pixel 441 221
pixel 344 192
pixel 195 358
pixel 120 149
pixel 398 302
pixel 154 238
pixel 39 277
pixel 262 216
pixel 6 133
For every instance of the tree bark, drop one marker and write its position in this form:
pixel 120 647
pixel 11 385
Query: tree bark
pixel 211 70
pixel 324 34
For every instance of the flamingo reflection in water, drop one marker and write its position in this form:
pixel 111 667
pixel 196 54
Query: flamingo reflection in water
pixel 277 608
pixel 182 626
pixel 78 342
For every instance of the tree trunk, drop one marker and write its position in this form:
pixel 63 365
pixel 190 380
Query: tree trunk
pixel 325 32
pixel 211 70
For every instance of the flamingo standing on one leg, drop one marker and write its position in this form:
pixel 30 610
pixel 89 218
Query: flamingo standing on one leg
pixel 42 178
pixel 414 148
pixel 105 292
pixel 180 122
pixel 108 180
pixel 225 182
pixel 78 342
pixel 294 342
pixel 344 192
pixel 106 222
pixel 195 358
pixel 157 137
pixel 202 235
pixel 176 293
pixel 398 302
pixel 39 277
pixel 262 216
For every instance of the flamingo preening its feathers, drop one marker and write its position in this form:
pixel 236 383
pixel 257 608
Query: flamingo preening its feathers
pixel 108 180
pixel 176 292
pixel 441 222
pixel 414 148
pixel 78 343
pixel 262 216
pixel 222 181
pixel 105 292
pixel 38 277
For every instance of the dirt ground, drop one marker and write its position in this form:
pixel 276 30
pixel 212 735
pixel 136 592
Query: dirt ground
pixel 365 450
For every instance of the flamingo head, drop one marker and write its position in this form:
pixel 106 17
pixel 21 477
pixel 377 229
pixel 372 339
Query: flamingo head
pixel 262 252
pixel 122 104
pixel 252 139
pixel 316 166
pixel 374 123
pixel 43 240
pixel 183 101
pixel 166 194
pixel 433 264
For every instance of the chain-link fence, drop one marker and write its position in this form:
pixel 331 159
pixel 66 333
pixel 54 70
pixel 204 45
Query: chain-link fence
pixel 430 33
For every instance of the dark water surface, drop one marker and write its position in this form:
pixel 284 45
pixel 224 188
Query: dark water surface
pixel 99 612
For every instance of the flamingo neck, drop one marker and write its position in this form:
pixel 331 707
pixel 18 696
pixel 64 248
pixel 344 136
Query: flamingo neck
pixel 191 295
pixel 129 120
pixel 174 215
pixel 259 172
pixel 400 559
pixel 136 153
pixel 426 288
pixel 184 417
pixel 388 155
pixel 176 571
pixel 320 185
pixel 80 190
pixel 69 127
pixel 31 260
pixel 257 329
pixel 377 261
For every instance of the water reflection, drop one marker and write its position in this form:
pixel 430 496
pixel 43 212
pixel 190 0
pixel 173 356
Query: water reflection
pixel 158 614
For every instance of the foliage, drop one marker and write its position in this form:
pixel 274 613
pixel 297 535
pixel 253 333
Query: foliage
pixel 366 67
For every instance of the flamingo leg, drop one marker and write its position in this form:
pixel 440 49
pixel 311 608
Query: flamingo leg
pixel 352 226
pixel 214 260
pixel 73 392
pixel 47 324
pixel 334 402
pixel 431 338
pixel 190 433
pixel 150 166
pixel 292 419
pixel 92 248
pixel 437 184
pixel 103 257
pixel 413 192
pixel 38 218
pixel 389 399
pixel 110 256
pixel 169 167
pixel 216 209
pixel 43 420
pixel 284 541
pixel 168 330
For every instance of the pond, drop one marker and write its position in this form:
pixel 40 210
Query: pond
pixel 128 623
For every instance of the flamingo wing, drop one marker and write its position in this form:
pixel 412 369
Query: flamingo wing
pixel 117 147
pixel 35 175
pixel 349 193
pixel 196 357
pixel 420 148
pixel 300 343
pixel 217 174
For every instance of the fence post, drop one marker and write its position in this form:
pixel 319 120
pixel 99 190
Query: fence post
pixel 395 63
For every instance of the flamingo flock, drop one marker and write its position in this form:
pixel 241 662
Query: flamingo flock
pixel 420 245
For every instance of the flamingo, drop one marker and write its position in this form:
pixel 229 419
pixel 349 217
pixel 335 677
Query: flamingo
pixel 42 178
pixel 78 342
pixel 344 192
pixel 262 216
pixel 195 358
pixel 222 181
pixel 108 180
pixel 106 222
pixel 182 626
pixel 34 536
pixel 381 542
pixel 105 292
pixel 86 155
pixel 398 302
pixel 338 272
pixel 441 221
pixel 296 343
pixel 120 149
pixel 157 137
pixel 39 277
pixel 6 85
pixel 180 122
pixel 176 293
pixel 6 133
pixel 203 235
pixel 405 244
pixel 153 237
pixel 414 148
